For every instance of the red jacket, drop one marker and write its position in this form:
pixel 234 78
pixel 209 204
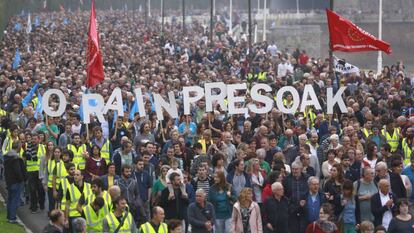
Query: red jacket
pixel 314 228
pixel 267 192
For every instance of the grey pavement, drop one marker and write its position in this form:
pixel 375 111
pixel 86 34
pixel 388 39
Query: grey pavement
pixel 34 222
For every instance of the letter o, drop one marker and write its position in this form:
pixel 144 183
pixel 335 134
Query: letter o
pixel 62 103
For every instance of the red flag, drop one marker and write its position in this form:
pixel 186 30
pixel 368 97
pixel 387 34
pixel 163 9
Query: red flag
pixel 62 9
pixel 94 65
pixel 345 36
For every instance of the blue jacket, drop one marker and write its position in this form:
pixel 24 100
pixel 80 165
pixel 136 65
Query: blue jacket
pixel 144 182
pixel 104 179
pixel 230 177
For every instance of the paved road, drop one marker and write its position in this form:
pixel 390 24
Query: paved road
pixel 35 222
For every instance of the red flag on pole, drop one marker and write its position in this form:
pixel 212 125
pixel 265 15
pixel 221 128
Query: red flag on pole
pixel 345 36
pixel 94 65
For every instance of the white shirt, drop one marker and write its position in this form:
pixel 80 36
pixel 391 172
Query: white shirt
pixel 282 69
pixel 386 218
pixel 76 129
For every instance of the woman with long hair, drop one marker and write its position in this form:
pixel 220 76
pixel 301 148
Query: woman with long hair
pixel 324 224
pixel 345 207
pixel 258 177
pixel 160 184
pixel 246 217
pixel 218 163
pixel 371 158
pixel 333 186
pixel 55 172
pixel 95 165
pixel 222 197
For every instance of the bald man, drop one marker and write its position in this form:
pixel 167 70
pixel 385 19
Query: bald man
pixel 382 204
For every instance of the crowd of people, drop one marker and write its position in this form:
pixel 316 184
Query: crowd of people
pixel 207 171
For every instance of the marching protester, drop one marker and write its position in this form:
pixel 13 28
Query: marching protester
pixel 136 170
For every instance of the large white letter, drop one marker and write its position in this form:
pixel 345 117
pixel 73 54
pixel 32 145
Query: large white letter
pixel 188 99
pixel 331 101
pixel 254 93
pixel 88 109
pixel 309 91
pixel 119 107
pixel 140 100
pixel 279 100
pixel 170 107
pixel 220 97
pixel 231 88
pixel 62 103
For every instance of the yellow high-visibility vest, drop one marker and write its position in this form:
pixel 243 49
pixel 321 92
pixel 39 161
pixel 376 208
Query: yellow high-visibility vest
pixel 2 112
pixel 147 228
pixel 114 223
pixel 262 76
pixel 65 185
pixel 75 196
pixel 392 140
pixel 107 198
pixel 366 132
pixel 93 219
pixel 407 149
pixel 33 166
pixel 78 158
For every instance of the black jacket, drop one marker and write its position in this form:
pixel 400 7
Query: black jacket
pixel 174 208
pixel 378 209
pixel 14 168
pixel 397 185
pixel 277 214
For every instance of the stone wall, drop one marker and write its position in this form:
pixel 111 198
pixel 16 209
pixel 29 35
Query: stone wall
pixel 297 36
pixel 315 39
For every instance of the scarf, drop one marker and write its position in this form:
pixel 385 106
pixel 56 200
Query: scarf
pixel 326 226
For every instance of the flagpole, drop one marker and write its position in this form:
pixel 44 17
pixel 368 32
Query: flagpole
pixel 331 59
pixel 231 18
pixel 379 60
pixel 264 20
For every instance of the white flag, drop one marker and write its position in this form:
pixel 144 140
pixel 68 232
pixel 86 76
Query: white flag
pixel 44 4
pixel 344 68
pixel 29 25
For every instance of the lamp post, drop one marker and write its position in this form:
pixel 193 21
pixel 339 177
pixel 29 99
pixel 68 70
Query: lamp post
pixel 264 20
pixel 231 17
pixel 250 26
pixel 211 21
pixel 183 6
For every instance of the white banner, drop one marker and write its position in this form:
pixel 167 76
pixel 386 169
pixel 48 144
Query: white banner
pixel 344 68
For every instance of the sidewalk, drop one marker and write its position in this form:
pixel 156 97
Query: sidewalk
pixel 32 222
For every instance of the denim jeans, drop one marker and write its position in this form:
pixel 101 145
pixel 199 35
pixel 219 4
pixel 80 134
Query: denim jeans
pixel 13 199
pixel 222 225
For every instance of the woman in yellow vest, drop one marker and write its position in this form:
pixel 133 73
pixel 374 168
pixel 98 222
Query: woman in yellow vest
pixel 55 172
pixel 94 214
pixel 119 218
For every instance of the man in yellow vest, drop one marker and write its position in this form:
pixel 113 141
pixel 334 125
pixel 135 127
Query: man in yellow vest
pixel 367 130
pixel 94 215
pixel 408 145
pixel 156 224
pixel 73 194
pixel 104 144
pixel 80 152
pixel 33 154
pixel 12 135
pixel 392 135
pixel 65 184
pixel 120 220
pixel 97 191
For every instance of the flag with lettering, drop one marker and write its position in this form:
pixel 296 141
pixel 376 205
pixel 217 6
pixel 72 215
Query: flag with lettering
pixel 94 64
pixel 345 36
